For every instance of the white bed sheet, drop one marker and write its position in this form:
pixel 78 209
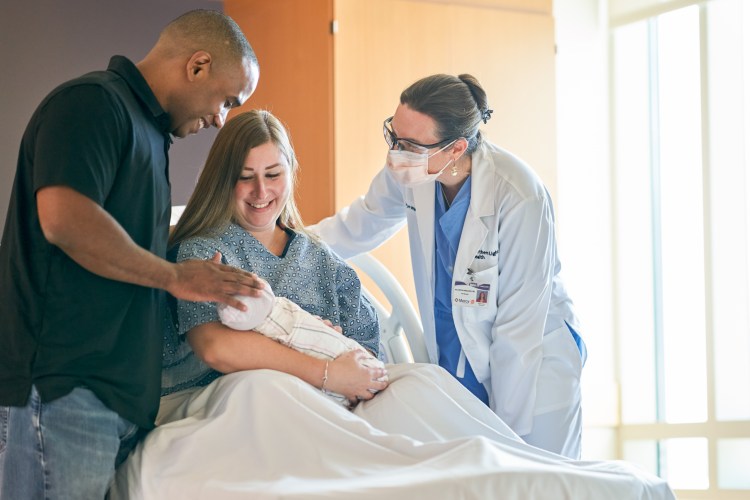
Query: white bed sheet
pixel 266 435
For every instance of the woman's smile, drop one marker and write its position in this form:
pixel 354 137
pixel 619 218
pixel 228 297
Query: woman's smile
pixel 259 206
pixel 262 189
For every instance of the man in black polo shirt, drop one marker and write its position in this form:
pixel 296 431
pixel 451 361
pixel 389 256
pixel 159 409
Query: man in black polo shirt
pixel 82 268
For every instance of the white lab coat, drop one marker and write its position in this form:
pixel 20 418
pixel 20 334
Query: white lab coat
pixel 518 345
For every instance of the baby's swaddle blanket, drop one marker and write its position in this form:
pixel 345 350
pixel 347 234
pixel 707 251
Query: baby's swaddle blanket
pixel 284 321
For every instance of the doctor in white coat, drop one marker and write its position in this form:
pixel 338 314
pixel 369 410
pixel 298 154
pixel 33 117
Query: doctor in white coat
pixel 495 312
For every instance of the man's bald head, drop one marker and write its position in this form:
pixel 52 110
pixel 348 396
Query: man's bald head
pixel 201 67
pixel 207 30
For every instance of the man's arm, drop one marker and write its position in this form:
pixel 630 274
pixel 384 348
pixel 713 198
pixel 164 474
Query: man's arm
pixel 96 241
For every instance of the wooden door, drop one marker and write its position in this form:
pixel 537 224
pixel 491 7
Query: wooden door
pixel 294 45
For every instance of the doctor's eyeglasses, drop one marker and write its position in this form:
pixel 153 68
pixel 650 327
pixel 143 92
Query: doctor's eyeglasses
pixel 395 142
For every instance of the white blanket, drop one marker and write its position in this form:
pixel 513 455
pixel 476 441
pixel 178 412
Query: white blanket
pixel 266 435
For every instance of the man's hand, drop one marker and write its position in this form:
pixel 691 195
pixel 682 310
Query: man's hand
pixel 211 281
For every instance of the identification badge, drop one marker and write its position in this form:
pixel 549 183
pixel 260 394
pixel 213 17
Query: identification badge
pixel 470 294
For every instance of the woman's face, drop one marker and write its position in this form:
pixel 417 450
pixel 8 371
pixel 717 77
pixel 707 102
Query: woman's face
pixel 421 129
pixel 263 188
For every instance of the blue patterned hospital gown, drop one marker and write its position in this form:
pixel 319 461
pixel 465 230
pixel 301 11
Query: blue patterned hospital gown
pixel 307 272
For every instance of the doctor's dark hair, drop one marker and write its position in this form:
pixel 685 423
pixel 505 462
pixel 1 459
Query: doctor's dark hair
pixel 211 207
pixel 457 104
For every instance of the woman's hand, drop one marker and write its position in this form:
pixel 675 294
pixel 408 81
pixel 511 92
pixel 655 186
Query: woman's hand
pixel 348 376
pixel 328 323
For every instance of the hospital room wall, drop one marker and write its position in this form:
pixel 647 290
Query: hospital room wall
pixel 47 42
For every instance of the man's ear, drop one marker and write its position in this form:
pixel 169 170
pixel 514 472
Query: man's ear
pixel 199 66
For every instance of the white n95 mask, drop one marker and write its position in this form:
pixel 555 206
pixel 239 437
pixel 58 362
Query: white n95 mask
pixel 410 168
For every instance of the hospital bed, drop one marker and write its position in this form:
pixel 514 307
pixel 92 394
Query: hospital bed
pixel 266 435
pixel 401 334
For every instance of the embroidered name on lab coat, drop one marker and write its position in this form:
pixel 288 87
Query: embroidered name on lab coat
pixel 482 254
pixel 413 209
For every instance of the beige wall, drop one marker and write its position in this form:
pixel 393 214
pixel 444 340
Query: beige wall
pixel 382 47
pixel 537 6
pixel 47 42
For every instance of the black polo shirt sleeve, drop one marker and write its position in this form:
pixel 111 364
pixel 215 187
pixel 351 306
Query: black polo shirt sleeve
pixel 79 142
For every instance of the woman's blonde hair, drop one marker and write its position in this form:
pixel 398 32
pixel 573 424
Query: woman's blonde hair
pixel 211 207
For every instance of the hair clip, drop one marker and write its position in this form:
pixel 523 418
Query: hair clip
pixel 486 115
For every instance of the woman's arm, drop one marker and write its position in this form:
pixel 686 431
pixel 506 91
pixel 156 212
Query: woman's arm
pixel 227 351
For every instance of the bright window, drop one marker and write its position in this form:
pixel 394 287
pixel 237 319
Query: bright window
pixel 681 149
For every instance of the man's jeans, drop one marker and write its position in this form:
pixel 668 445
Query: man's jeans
pixel 64 449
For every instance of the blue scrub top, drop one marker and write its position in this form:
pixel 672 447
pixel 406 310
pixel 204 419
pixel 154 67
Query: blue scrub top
pixel 449 223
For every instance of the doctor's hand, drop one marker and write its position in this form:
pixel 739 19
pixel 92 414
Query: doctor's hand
pixel 348 376
pixel 211 281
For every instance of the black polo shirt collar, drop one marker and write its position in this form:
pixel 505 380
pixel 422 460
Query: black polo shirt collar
pixel 130 73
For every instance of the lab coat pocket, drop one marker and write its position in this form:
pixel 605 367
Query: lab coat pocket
pixel 558 383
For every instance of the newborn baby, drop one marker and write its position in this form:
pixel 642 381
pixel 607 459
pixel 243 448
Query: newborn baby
pixel 287 323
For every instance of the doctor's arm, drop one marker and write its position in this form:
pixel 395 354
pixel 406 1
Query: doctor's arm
pixel 368 222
